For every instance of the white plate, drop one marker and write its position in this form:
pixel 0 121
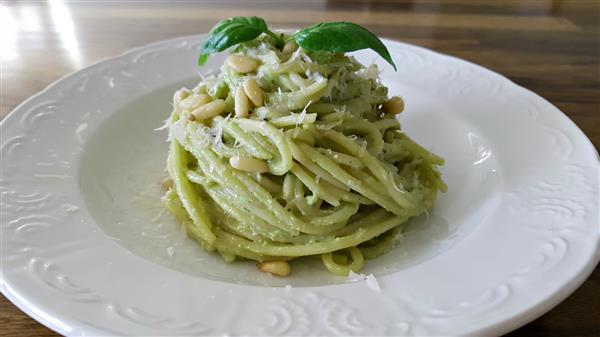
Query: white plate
pixel 86 251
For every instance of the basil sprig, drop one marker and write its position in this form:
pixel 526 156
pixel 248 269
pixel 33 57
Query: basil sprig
pixel 232 31
pixel 325 36
pixel 341 37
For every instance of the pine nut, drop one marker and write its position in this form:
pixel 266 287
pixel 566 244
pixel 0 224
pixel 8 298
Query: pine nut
pixel 180 95
pixel 394 105
pixel 194 101
pixel 242 64
pixel 278 268
pixel 289 47
pixel 253 91
pixel 242 105
pixel 249 164
pixel 209 110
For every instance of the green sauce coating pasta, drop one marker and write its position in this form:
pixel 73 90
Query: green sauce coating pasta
pixel 320 168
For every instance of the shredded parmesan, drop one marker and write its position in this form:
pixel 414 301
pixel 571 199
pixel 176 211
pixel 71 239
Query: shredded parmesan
pixel 370 280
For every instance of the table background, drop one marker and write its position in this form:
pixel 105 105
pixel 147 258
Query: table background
pixel 551 47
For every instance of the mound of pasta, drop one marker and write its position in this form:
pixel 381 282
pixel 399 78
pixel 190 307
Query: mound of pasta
pixel 288 153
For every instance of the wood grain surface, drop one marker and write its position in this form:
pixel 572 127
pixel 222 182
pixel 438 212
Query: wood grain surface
pixel 551 47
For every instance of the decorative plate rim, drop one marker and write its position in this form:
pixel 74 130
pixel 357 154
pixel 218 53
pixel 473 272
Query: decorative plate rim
pixel 508 323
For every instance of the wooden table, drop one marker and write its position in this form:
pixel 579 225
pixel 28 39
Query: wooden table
pixel 551 47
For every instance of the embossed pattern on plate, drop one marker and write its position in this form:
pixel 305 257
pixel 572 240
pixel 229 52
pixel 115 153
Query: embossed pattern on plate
pixel 539 236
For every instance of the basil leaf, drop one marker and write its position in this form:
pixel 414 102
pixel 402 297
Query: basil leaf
pixel 340 37
pixel 230 32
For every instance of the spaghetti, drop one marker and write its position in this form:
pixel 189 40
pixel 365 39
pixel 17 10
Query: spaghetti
pixel 288 153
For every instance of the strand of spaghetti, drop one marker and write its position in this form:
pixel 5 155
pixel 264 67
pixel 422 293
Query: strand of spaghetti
pixel 317 170
pixel 393 152
pixel 322 108
pixel 338 116
pixel 228 152
pixel 249 190
pixel 313 209
pixel 310 182
pixel 387 124
pixel 351 240
pixel 384 244
pixel 399 195
pixel 249 224
pixel 272 187
pixel 294 120
pixel 264 142
pixel 286 83
pixel 253 223
pixel 433 178
pixel 280 163
pixel 280 212
pixel 319 187
pixel 340 269
pixel 299 99
pixel 315 215
pixel 341 158
pixel 301 202
pixel 356 150
pixel 367 179
pixel 357 185
pixel 246 140
pixel 365 219
pixel 305 134
pixel 287 190
pixel 367 131
pixel 174 204
pixel 300 81
pixel 339 214
pixel 221 173
pixel 190 200
pixel 420 151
